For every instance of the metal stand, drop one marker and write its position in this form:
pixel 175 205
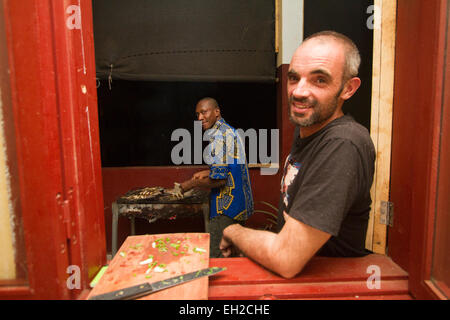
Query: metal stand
pixel 115 223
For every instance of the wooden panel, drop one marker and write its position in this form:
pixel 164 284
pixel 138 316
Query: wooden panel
pixel 79 137
pixel 319 269
pixel 125 269
pixel 441 246
pixel 306 290
pixel 381 117
pixel 11 224
pixel 419 55
pixel 54 113
pixel 277 25
pixel 38 150
pixel 321 278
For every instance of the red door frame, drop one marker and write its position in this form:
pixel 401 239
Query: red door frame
pixel 52 71
pixel 54 103
pixel 419 69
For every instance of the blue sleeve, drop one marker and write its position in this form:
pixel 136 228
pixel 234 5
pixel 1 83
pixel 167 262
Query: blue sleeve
pixel 219 171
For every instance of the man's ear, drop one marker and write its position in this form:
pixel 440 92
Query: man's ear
pixel 350 88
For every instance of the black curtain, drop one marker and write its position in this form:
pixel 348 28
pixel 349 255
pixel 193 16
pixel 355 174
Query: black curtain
pixel 179 40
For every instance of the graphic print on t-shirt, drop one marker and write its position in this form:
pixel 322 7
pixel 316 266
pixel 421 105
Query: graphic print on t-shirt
pixel 291 169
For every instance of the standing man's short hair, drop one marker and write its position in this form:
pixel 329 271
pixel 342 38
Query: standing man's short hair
pixel 210 101
pixel 352 56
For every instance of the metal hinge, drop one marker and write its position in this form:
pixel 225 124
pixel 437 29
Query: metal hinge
pixel 387 213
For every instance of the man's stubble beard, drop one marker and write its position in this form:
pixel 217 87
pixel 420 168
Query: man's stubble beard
pixel 316 117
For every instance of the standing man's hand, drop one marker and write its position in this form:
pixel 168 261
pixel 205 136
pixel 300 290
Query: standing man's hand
pixel 177 191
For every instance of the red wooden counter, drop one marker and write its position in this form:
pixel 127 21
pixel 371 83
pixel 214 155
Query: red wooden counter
pixel 322 278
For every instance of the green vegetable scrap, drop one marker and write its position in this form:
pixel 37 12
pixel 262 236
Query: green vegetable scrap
pixel 199 250
pixel 164 244
pixel 160 245
pixel 151 266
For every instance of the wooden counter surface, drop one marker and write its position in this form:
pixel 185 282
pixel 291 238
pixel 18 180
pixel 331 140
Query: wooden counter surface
pixel 322 278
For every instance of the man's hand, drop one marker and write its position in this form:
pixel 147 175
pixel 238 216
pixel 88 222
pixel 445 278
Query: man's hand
pixel 227 247
pixel 177 191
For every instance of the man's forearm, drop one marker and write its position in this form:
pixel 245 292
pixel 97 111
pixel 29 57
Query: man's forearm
pixel 258 245
pixel 202 183
pixel 285 253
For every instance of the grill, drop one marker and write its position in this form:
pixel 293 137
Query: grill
pixel 154 203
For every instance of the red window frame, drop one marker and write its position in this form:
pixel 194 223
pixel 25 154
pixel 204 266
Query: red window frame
pixel 418 92
pixel 54 103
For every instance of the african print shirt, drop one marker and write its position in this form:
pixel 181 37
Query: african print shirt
pixel 226 159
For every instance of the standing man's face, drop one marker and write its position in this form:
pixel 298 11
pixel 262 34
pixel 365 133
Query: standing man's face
pixel 315 88
pixel 207 114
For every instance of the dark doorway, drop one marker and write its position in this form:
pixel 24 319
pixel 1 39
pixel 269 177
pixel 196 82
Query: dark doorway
pixel 351 18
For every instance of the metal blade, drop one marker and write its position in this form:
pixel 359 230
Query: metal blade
pixel 146 288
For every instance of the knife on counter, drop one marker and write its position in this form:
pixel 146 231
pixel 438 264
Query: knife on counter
pixel 147 288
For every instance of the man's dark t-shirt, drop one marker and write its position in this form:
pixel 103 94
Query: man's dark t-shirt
pixel 326 185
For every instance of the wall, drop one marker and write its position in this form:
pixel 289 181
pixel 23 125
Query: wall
pixel 290 29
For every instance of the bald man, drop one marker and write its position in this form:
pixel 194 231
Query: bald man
pixel 325 190
pixel 231 199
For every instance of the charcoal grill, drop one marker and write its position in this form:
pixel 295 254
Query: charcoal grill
pixel 155 203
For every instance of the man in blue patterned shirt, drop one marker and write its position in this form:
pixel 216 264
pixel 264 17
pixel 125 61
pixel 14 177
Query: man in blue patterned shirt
pixel 231 199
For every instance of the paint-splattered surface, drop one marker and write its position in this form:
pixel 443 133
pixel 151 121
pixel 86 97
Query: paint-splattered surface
pixel 151 258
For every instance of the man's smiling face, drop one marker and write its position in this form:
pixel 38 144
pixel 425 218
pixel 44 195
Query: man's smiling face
pixel 315 84
pixel 207 114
